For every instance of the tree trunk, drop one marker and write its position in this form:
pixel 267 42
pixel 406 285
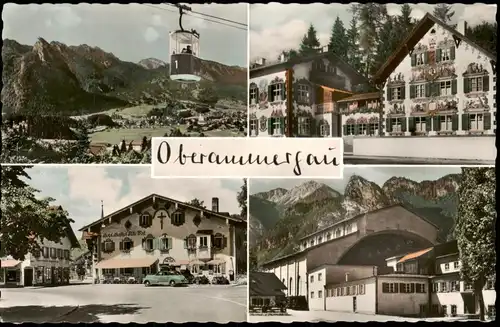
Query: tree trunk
pixel 478 290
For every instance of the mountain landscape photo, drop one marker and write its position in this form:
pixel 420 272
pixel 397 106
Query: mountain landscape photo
pixel 279 217
pixel 89 88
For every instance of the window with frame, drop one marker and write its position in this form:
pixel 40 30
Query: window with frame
pixel 420 59
pixel 254 123
pixel 445 54
pixel 374 128
pixel 59 253
pixel 389 288
pixel 338 233
pixel 254 94
pixel 191 242
pixel 444 287
pixel 361 289
pixel 455 286
pixel 145 220
pixel 126 271
pixel 490 285
pixel 276 92
pixel 468 287
pixel 312 242
pixel 324 129
pixel 350 129
pixel 45 252
pixel 312 295
pixel 304 126
pixel 423 309
pixel 328 236
pixel 476 122
pixel 362 129
pixel 444 309
pixel 476 84
pixel 320 275
pixel 348 290
pixel 456 265
pixel 320 294
pixel 446 123
pixel 276 126
pixel 312 278
pixel 165 243
pixel 109 246
pixel 419 288
pixel 445 88
pixel 446 266
pixel 178 218
pixel 218 241
pixel 348 228
pixel 53 253
pixel 127 245
pixel 396 125
pixel 303 93
pixel 148 243
pixel 203 242
pixel 420 91
pixel 492 311
pixel 108 272
pixel 397 93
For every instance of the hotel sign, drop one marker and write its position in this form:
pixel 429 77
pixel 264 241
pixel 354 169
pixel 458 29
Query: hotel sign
pixel 123 234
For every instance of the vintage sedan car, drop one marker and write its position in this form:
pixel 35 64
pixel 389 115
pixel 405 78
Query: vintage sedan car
pixel 171 278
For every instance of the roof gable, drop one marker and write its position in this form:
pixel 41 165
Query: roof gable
pixel 418 32
pixel 150 197
pixel 265 284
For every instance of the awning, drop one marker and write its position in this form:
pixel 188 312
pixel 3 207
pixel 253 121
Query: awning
pixel 126 263
pixel 196 262
pixel 10 263
pixel 414 255
pixel 215 262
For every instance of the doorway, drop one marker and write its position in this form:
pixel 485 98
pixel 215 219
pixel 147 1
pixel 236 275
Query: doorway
pixel 354 304
pixel 469 303
pixel 28 276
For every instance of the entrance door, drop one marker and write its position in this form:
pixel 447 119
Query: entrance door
pixel 469 303
pixel 28 276
pixel 354 305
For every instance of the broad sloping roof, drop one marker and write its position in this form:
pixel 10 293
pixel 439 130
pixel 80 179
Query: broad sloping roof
pixel 422 27
pixel 265 284
pixel 414 255
pixel 160 197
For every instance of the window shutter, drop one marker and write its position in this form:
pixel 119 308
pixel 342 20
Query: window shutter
pixel 465 122
pixel 403 92
pixel 486 83
pixel 437 123
pixel 385 287
pixel 454 86
pixel 157 244
pixel 282 125
pixel 144 243
pixel 388 125
pixel 466 85
pixel 426 57
pixel 427 90
pixel 428 123
pixel 412 91
pixel 402 287
pixel 185 243
pixel 270 93
pixel 389 94
pixel 403 124
pixel 345 130
pixel 438 55
pixel 487 121
pixel 283 92
pixel 413 60
pixel 435 89
pixel 368 129
pixel 412 288
pixel 212 239
pixel 411 126
pixel 452 53
pixel 224 242
pixel 270 126
pixel 121 246
pixel 454 122
pixel 396 288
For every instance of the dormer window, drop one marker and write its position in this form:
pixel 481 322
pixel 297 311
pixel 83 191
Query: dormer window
pixel 145 220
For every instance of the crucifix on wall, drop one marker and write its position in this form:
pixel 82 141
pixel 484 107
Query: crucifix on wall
pixel 162 216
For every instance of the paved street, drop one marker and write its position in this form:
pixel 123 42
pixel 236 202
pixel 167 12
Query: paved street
pixel 330 316
pixel 374 160
pixel 125 303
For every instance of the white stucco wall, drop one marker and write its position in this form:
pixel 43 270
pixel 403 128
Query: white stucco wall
pixel 481 148
pixel 365 303
pixel 401 304
pixel 295 268
pixel 177 234
pixel 317 282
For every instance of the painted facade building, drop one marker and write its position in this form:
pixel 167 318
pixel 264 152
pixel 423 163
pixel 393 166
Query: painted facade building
pixel 438 84
pixel 297 97
pixel 49 266
pixel 157 232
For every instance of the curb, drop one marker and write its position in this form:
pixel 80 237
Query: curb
pixel 55 320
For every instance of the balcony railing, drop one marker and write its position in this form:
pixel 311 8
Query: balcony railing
pixel 325 108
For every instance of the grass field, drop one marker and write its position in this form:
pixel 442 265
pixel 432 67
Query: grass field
pixel 115 136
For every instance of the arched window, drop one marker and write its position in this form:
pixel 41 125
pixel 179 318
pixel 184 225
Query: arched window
pixel 328 236
pixel 145 220
pixel 299 286
pixel 338 233
pixel 177 218
pixel 290 287
pixel 320 239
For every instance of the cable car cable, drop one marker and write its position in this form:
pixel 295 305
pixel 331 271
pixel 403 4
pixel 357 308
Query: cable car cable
pixel 211 16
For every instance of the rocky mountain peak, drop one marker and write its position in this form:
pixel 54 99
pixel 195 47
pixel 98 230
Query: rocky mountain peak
pixel 428 190
pixel 152 63
pixel 367 194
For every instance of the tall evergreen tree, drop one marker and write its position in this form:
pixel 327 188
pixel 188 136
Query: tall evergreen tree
pixel 485 35
pixel 387 43
pixel 338 39
pixel 443 12
pixel 475 228
pixel 354 56
pixel 310 42
pixel 405 21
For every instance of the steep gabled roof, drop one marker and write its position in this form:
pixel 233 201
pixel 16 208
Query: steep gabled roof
pixel 150 197
pixel 422 27
pixel 265 284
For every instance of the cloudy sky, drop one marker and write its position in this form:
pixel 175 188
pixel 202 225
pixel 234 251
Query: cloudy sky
pixel 132 32
pixel 377 175
pixel 80 189
pixel 275 27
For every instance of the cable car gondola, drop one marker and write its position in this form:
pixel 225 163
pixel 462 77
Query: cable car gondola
pixel 185 65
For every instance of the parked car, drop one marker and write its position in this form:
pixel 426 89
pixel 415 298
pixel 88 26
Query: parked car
pixel 171 278
pixel 201 280
pixel 220 280
pixel 186 273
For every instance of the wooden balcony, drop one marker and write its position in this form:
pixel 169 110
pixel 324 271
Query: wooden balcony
pixel 325 108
